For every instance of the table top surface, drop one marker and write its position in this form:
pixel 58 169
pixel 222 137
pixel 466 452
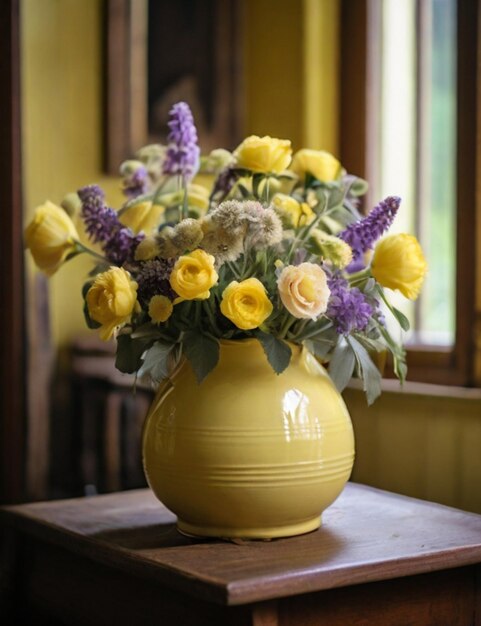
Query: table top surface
pixel 366 535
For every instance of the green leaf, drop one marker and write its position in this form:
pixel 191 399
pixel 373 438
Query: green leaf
pixel 129 353
pixel 401 318
pixel 319 347
pixel 88 320
pixel 370 375
pixel 278 352
pixel 156 361
pixel 244 191
pixel 202 352
pixel 341 365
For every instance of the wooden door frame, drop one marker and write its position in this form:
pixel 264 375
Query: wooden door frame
pixel 13 422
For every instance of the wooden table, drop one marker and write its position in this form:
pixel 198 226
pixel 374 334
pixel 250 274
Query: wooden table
pixel 379 559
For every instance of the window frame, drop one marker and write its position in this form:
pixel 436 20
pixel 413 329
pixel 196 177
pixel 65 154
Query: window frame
pixel 460 364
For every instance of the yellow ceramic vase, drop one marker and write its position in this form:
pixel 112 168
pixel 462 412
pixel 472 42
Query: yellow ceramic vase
pixel 248 453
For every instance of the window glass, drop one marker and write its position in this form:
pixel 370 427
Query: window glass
pixel 416 152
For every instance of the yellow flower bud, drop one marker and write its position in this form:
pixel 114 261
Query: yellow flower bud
pixel 320 164
pixel 246 303
pixel 111 300
pixel 143 216
pixel 263 154
pixel 304 291
pixel 160 309
pixel 330 247
pixel 147 249
pixel 50 236
pixel 294 213
pixel 399 263
pixel 193 275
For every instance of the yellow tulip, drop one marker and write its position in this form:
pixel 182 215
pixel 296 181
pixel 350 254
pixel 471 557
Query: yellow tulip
pixel 399 263
pixel 50 236
pixel 111 300
pixel 193 275
pixel 246 303
pixel 143 216
pixel 320 164
pixel 160 309
pixel 263 154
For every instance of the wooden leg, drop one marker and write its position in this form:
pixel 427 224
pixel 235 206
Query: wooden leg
pixel 265 614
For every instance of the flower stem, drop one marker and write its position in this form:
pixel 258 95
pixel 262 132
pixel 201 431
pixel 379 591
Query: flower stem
pixel 82 248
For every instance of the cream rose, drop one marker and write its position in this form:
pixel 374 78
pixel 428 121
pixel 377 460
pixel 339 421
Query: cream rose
pixel 303 290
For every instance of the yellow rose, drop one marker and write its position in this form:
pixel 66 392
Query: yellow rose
pixel 143 216
pixel 303 290
pixel 399 263
pixel 296 213
pixel 160 309
pixel 322 165
pixel 51 237
pixel 193 275
pixel 111 300
pixel 246 303
pixel 263 154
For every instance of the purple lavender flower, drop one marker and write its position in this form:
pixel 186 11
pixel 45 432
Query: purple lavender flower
pixel 364 233
pixel 183 153
pixel 153 279
pixel 348 308
pixel 136 183
pixel 103 226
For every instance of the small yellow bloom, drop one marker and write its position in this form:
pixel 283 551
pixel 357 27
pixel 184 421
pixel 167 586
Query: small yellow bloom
pixel 264 154
pixel 193 275
pixel 322 165
pixel 147 249
pixel 246 303
pixel 143 216
pixel 51 237
pixel 399 263
pixel 111 300
pixel 303 290
pixel 160 309
pixel 294 212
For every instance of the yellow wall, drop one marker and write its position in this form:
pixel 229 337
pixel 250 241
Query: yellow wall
pixel 62 134
pixel 420 444
pixel 292 71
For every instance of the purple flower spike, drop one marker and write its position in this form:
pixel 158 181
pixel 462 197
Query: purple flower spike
pixel 137 183
pixel 103 226
pixel 348 308
pixel 362 235
pixel 183 152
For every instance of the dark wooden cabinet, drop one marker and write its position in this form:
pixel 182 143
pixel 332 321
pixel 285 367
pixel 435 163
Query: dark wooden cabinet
pixel 379 559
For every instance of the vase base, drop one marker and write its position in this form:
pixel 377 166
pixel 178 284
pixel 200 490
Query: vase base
pixel 271 532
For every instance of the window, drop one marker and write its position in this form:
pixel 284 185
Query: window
pixel 409 100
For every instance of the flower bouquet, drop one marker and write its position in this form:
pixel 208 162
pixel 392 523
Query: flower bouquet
pixel 262 245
